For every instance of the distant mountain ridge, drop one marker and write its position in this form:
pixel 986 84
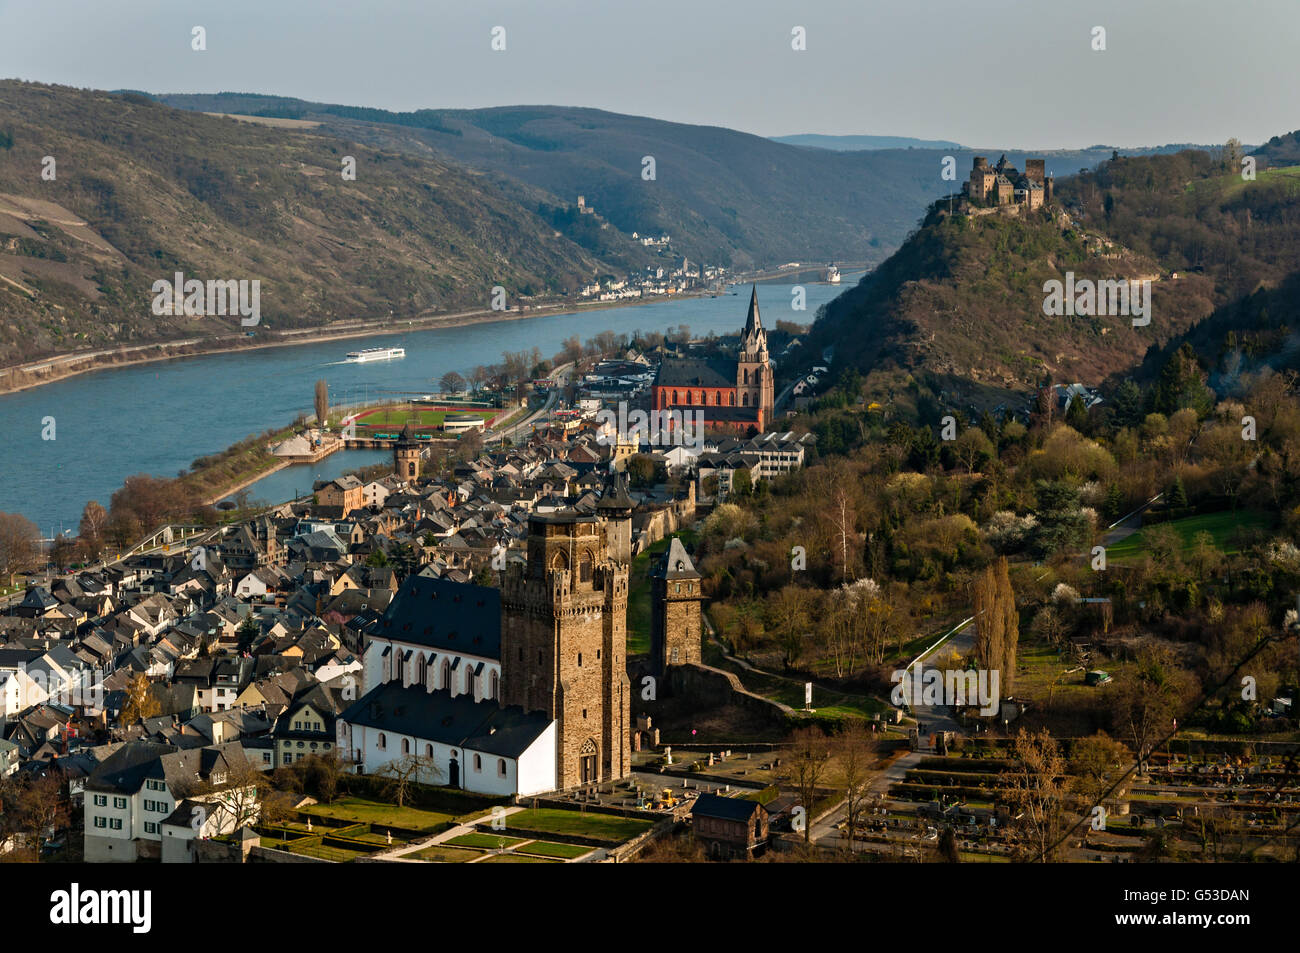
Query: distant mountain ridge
pixel 723 196
pixel 863 143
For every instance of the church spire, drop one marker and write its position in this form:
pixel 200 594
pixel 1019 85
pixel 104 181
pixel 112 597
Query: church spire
pixel 753 322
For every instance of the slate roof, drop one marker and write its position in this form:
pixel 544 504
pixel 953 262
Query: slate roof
pixel 437 716
pixel 696 372
pixel 725 808
pixel 446 615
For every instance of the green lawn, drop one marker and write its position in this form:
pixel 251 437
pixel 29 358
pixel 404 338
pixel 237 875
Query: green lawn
pixel 547 849
pixel 609 827
pixel 398 417
pixel 638 597
pixel 444 855
pixel 1221 526
pixel 489 841
pixel 376 812
pixel 514 859
pixel 340 855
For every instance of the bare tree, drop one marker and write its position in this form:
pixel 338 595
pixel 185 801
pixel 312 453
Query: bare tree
pixel 855 758
pixel 452 383
pixel 94 521
pixel 42 808
pixel 810 757
pixel 18 544
pixel 1035 788
pixel 401 773
pixel 322 402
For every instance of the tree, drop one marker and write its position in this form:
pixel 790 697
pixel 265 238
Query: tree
pixel 1006 604
pixel 855 756
pixel 1096 764
pixel 18 544
pixel 322 402
pixel 94 522
pixel 972 448
pixel 789 612
pixel 42 808
pixel 140 701
pixel 401 773
pixel 1035 787
pixel 810 757
pixel 452 383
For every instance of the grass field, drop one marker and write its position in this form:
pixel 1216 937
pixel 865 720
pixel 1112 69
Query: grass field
pixel 1220 526
pixel 375 812
pixel 515 858
pixel 488 841
pixel 547 849
pixel 395 418
pixel 444 855
pixel 608 827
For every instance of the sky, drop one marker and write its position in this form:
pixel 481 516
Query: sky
pixel 1007 73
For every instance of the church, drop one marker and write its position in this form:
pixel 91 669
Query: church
pixel 512 691
pixel 733 392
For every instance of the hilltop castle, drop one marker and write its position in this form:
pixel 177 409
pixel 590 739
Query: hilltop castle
pixel 1004 184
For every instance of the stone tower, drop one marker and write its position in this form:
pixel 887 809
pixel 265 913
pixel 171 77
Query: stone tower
pixel 406 455
pixel 675 595
pixel 564 645
pixel 754 385
pixel 615 513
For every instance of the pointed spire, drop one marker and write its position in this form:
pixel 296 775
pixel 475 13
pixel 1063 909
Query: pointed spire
pixel 753 321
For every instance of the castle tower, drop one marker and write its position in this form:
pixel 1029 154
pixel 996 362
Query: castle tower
pixel 754 384
pixel 564 645
pixel 406 455
pixel 614 509
pixel 675 595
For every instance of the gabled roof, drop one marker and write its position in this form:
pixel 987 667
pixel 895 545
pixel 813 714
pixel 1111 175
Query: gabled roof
pixel 437 716
pixel 725 808
pixel 446 615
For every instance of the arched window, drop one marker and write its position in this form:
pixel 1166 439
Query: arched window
pixel 747 375
pixel 560 561
pixel 744 399
pixel 478 762
pixel 406 746
pixel 584 567
pixel 383 742
pixel 469 682
pixel 501 767
pixel 674 397
pixel 731 399
pixel 446 673
pixel 428 751
pixel 422 670
pixel 493 686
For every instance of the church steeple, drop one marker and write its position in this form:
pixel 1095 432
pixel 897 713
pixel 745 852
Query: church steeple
pixel 753 322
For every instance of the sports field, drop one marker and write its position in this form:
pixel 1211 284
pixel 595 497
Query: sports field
pixel 390 419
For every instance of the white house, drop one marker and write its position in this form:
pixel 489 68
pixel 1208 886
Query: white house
pixel 130 795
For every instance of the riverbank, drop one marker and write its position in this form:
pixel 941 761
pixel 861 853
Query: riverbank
pixel 49 370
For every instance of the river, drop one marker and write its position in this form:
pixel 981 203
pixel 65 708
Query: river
pixel 158 418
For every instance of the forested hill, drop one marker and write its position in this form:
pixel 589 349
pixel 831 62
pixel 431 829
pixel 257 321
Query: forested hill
pixel 138 191
pixel 959 308
pixel 724 196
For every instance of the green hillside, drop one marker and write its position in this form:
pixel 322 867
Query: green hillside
pixel 141 191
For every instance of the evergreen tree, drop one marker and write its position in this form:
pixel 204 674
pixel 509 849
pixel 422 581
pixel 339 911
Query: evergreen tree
pixel 1177 495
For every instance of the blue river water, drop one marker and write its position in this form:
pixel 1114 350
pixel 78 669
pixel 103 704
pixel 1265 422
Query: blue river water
pixel 158 418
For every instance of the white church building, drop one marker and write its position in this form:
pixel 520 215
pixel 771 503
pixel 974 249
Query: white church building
pixel 431 673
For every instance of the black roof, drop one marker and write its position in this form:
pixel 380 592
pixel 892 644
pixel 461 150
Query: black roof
pixel 452 616
pixel 696 372
pixel 726 808
pixel 437 716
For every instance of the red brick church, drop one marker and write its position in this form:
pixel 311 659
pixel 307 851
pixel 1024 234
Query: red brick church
pixel 735 393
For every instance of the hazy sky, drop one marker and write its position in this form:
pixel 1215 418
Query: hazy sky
pixel 1007 73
